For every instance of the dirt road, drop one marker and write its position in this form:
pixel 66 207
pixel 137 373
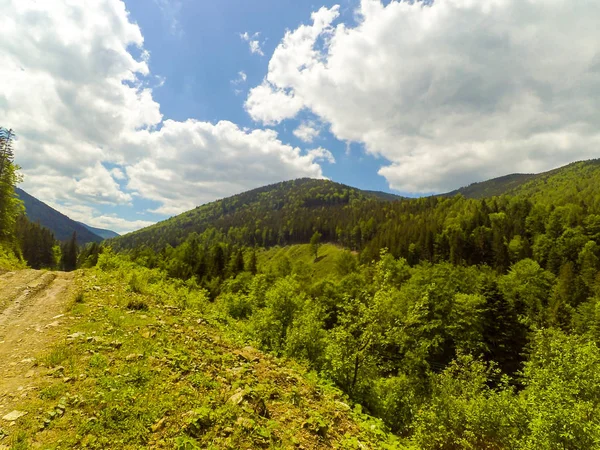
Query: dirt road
pixel 32 308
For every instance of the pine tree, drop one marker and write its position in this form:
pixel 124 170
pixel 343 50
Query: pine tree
pixel 69 254
pixel 252 263
pixel 10 206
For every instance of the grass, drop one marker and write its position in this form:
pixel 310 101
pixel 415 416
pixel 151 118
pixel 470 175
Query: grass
pixel 9 261
pixel 166 376
pixel 302 259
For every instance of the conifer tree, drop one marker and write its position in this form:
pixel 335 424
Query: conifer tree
pixel 10 206
pixel 69 254
pixel 252 263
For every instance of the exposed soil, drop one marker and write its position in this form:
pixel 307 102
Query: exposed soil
pixel 32 308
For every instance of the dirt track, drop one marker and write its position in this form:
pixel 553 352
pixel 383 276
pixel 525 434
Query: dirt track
pixel 32 307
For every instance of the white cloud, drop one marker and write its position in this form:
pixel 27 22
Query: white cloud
pixel 118 174
pixel 307 132
pixel 321 154
pixel 80 102
pixel 451 93
pixel 253 43
pixel 270 105
pixel 241 79
pixel 186 171
pixel 92 217
pixel 171 10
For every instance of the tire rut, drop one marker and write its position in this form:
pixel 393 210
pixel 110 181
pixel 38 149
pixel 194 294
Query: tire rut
pixel 32 319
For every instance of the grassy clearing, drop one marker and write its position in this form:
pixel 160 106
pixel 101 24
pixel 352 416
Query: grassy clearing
pixel 302 260
pixel 145 368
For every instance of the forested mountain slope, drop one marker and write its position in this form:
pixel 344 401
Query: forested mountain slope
pixel 462 323
pixel 494 231
pixel 494 187
pixel 62 226
pixel 557 181
pixel 103 233
pixel 282 213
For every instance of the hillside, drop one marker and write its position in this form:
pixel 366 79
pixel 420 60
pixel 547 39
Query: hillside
pixel 492 188
pixel 580 174
pixel 432 228
pixel 104 234
pixel 62 226
pixel 282 213
pixel 143 364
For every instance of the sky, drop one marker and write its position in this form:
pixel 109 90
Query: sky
pixel 129 112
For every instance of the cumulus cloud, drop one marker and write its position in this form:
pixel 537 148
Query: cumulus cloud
pixel 80 102
pixel 321 154
pixel 185 171
pixel 253 43
pixel 91 216
pixel 449 92
pixel 307 132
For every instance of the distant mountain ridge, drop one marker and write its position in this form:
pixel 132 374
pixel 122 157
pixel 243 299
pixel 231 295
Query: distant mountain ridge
pixel 104 234
pixel 525 183
pixel 61 225
pixel 289 212
pixel 492 188
pixel 297 202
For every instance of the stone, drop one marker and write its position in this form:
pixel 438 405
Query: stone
pixel 159 425
pixel 14 415
pixel 76 335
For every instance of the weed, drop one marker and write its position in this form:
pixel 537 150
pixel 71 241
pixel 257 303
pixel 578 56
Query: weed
pixel 53 391
pixel 59 355
pixel 137 305
pixel 137 284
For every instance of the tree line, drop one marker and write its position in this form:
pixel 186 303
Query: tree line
pixel 24 240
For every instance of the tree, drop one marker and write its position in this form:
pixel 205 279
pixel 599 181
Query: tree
pixel 315 243
pixel 69 254
pixel 252 266
pixel 10 206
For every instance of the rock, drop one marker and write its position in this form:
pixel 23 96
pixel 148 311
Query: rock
pixel 57 371
pixel 238 397
pixel 53 324
pixel 159 425
pixel 76 335
pixel 30 374
pixel 134 356
pixel 14 415
pixel 116 344
pixel 341 405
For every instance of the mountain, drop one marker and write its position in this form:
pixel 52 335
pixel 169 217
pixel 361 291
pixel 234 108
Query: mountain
pixel 104 234
pixel 282 213
pixel 290 212
pixel 492 188
pixel 61 225
pixel 562 178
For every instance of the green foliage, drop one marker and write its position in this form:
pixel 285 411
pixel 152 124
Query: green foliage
pixel 465 413
pixel 10 206
pixel 562 388
pixel 477 325
pixel 315 243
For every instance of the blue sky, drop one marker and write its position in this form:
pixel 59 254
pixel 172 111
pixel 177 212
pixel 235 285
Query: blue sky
pixel 197 47
pixel 130 111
